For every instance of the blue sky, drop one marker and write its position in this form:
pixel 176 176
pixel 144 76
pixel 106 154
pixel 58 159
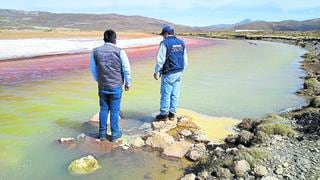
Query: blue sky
pixel 188 12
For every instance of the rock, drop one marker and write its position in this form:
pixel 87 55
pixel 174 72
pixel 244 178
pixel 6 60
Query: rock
pixel 125 147
pixel 269 178
pixel 277 137
pixel 84 165
pixel 81 136
pixel 260 171
pixel 203 174
pixel 231 139
pixel 241 167
pixel 164 125
pixel 138 142
pixel 67 140
pixel 224 173
pixel 200 136
pixel 183 119
pixel 177 149
pixel 278 170
pixel 185 133
pixel 232 150
pixel 196 152
pixel 159 140
pixel 218 151
pixel 227 162
pixel 315 102
pixel 285 164
pixel 245 137
pixel 246 124
pixel 241 147
pixel 189 177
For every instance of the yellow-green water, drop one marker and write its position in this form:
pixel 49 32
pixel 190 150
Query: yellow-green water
pixel 232 79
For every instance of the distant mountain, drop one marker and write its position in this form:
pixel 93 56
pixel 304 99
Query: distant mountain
pixel 225 27
pixel 17 19
pixel 289 25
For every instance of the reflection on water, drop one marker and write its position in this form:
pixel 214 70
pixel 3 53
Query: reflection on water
pixel 232 79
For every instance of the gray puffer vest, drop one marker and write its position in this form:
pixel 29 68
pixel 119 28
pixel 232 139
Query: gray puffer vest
pixel 109 66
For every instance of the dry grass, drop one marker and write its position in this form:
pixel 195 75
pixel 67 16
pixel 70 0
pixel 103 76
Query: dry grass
pixel 25 34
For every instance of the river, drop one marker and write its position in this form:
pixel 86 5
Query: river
pixel 230 78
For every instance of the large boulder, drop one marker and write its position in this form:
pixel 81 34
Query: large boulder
pixel 159 139
pixel 241 167
pixel 177 149
pixel 164 125
pixel 84 165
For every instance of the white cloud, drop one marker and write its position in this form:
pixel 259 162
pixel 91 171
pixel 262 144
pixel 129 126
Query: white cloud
pixel 186 4
pixel 176 4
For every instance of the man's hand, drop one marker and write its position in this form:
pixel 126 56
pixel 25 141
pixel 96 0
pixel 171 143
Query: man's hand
pixel 127 88
pixel 156 76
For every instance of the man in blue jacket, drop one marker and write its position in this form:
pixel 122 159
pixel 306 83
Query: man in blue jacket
pixel 110 67
pixel 171 61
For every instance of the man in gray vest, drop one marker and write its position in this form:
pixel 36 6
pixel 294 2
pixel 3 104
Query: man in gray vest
pixel 110 67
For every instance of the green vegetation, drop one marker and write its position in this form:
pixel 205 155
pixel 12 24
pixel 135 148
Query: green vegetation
pixel 280 129
pixel 290 35
pixel 259 153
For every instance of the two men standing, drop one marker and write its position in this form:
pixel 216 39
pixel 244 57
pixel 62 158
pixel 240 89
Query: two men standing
pixel 111 69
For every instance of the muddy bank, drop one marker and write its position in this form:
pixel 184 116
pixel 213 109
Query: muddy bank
pixel 279 146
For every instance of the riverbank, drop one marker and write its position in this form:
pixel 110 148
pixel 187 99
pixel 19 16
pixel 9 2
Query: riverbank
pixel 283 146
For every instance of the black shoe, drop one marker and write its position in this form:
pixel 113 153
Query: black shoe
pixel 172 116
pixel 102 138
pixel 161 117
pixel 116 138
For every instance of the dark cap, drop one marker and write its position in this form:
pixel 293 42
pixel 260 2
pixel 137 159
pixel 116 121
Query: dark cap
pixel 167 29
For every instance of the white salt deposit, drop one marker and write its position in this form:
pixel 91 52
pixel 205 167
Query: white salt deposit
pixel 19 48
